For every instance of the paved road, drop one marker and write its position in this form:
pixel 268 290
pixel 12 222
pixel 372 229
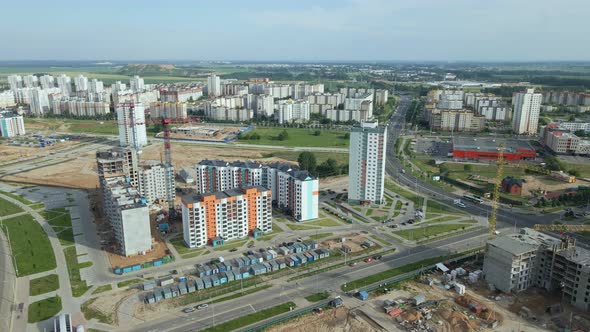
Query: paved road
pixel 294 291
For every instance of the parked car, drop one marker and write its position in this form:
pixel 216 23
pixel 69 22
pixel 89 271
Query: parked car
pixel 233 250
pixel 352 264
pixel 188 310
pixel 368 260
pixel 377 257
pixel 202 306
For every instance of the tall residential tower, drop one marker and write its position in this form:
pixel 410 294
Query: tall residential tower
pixel 131 122
pixel 527 106
pixel 366 163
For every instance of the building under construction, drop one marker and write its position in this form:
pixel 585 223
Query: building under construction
pixel 516 262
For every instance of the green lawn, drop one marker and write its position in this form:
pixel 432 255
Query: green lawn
pixel 58 217
pixel 79 286
pixel 66 237
pixel 340 157
pixel 441 219
pixel 398 208
pixel 37 206
pixel 298 227
pixel 44 309
pixel 30 245
pixel 403 192
pixel 17 197
pixel 355 284
pixel 103 288
pixel 252 318
pixel 320 236
pixel 584 169
pixel 427 231
pixel 327 222
pixel 436 207
pixel 317 297
pixel 43 285
pixel 298 137
pixel 129 282
pixel 7 208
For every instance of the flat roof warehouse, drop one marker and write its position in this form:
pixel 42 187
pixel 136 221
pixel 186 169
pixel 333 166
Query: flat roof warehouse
pixel 490 145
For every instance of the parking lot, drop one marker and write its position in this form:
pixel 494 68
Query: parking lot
pixel 435 147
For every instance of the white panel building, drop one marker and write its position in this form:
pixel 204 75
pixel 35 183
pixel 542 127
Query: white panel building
pixel 366 166
pixel 527 106
pixel 156 182
pixel 213 85
pixel 11 124
pixel 131 123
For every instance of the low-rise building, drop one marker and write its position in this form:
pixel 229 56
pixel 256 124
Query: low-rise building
pixel 516 262
pixel 225 215
pixel 562 142
pixel 512 185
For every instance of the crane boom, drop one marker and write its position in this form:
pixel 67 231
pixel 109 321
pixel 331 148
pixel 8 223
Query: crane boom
pixel 496 197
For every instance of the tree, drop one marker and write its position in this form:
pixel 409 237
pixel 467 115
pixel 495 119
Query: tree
pixel 468 167
pixel 574 172
pixel 283 135
pixel 317 133
pixel 346 136
pixel 307 161
pixel 329 167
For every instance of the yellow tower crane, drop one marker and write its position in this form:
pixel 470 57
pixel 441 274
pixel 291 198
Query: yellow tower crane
pixel 496 196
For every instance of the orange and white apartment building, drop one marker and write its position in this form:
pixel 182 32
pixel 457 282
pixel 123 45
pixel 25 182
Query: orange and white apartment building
pixel 226 215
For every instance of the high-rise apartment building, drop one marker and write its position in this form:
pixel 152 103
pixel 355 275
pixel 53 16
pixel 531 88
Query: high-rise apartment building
pixel 293 190
pixel 292 111
pixel 136 84
pixel 168 110
pixel 47 82
pixel 15 82
pixel 225 215
pixel 128 215
pixel 30 81
pixel 117 162
pixel 39 102
pixel 11 124
pixel 527 106
pixel 81 83
pixel 95 86
pixel 64 83
pixel 131 123
pixel 156 182
pixel 214 85
pixel 366 165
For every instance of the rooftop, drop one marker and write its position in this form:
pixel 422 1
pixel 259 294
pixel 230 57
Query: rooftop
pixel 490 144
pixel 577 255
pixel 196 198
pixel 528 240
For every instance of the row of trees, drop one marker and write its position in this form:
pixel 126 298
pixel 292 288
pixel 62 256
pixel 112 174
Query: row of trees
pixel 330 167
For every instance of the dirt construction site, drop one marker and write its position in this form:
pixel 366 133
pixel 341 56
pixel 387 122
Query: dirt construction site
pixel 329 320
pixel 80 172
pixel 204 132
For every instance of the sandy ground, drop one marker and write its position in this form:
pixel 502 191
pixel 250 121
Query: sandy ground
pixel 330 320
pixel 13 153
pixel 353 241
pixel 534 183
pixel 81 172
pixel 110 303
pixel 159 250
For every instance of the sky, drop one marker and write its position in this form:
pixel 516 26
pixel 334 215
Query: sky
pixel 302 30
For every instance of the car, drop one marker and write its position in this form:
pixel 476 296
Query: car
pixel 403 224
pixel 188 310
pixel 202 306
pixel 251 245
pixel 394 226
pixel 368 260
pixel 299 240
pixel 352 264
pixel 410 222
pixel 377 257
pixel 233 250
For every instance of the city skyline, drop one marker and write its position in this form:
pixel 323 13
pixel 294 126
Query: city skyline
pixel 456 30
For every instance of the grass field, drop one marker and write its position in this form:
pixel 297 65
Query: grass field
pixel 298 227
pixel 340 157
pixel 102 289
pixel 436 207
pixel 252 318
pixel 317 297
pixel 44 309
pixel 298 137
pixel 90 313
pixel 403 192
pixel 43 285
pixel 443 219
pixel 17 197
pixel 78 285
pixel 584 169
pixel 427 231
pixel 129 282
pixel 324 222
pixel 355 284
pixel 320 236
pixel 30 245
pixel 243 293
pixel 7 208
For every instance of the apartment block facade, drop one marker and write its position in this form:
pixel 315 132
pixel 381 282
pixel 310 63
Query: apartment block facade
pixel 366 165
pixel 293 190
pixel 11 124
pixel 226 215
pixel 516 262
pixel 128 214
pixel 131 123
pixel 527 107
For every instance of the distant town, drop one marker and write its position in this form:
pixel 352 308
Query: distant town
pixel 222 196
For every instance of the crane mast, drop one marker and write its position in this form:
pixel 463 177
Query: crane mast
pixel 496 197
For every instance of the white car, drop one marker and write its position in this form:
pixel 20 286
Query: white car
pixel 202 306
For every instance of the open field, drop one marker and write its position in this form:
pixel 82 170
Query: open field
pixel 298 137
pixel 103 288
pixel 7 208
pixel 30 245
pixel 78 285
pixel 44 309
pixel 252 318
pixel 417 234
pixel 43 285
